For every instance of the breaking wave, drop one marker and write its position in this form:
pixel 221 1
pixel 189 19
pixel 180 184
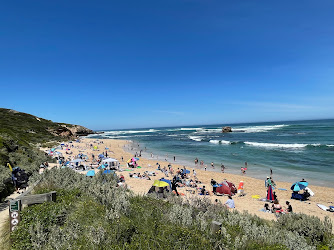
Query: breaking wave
pixel 220 142
pixel 280 145
pixel 196 138
pixel 257 129
pixel 123 132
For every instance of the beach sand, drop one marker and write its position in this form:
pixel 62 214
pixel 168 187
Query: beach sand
pixel 252 186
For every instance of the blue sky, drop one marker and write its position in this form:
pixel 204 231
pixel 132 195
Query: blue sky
pixel 130 64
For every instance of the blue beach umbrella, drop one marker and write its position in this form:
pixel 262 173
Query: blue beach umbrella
pixel 168 181
pixel 90 173
pixel 106 171
pixel 297 186
pixel 101 156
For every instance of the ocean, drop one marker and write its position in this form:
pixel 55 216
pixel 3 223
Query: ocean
pixel 292 149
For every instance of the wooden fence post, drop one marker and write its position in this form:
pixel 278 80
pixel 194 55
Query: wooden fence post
pixel 215 227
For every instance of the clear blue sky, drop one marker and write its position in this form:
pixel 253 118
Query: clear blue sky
pixel 127 64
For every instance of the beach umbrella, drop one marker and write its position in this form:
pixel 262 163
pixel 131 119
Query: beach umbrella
pixel 297 186
pixel 168 181
pixel 101 156
pixel 135 159
pixel 90 173
pixel 107 171
pixel 158 183
pixel 186 171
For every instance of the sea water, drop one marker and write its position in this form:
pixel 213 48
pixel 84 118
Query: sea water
pixel 293 149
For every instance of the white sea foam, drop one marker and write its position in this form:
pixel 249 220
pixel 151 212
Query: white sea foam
pixel 198 130
pixel 330 145
pixel 122 132
pixel 275 145
pixel 208 130
pixel 220 142
pixel 187 129
pixel 196 138
pixel 256 129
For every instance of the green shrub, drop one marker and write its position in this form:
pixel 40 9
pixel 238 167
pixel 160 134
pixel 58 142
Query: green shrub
pixel 91 213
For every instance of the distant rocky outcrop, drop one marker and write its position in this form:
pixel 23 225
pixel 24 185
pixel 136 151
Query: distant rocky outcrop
pixel 78 130
pixel 227 129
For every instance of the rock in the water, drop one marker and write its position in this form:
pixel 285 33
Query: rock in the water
pixel 227 129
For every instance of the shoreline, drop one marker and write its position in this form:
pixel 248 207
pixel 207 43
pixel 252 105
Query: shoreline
pixel 233 168
pixel 252 186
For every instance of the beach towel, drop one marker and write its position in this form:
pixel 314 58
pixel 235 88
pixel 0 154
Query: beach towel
pixel 270 196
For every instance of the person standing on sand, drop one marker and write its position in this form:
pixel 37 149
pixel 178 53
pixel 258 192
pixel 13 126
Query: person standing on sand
pixel 205 168
pixel 174 186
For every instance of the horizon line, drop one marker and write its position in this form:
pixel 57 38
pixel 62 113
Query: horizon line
pixel 235 123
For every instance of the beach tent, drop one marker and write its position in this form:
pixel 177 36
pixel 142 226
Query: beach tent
pixel 102 166
pixel 270 196
pixel 91 173
pixel 226 187
pixel 111 162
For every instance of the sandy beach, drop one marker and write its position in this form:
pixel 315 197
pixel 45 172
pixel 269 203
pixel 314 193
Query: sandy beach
pixel 252 186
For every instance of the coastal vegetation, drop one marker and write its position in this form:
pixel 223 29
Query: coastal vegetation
pixel 21 135
pixel 92 213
